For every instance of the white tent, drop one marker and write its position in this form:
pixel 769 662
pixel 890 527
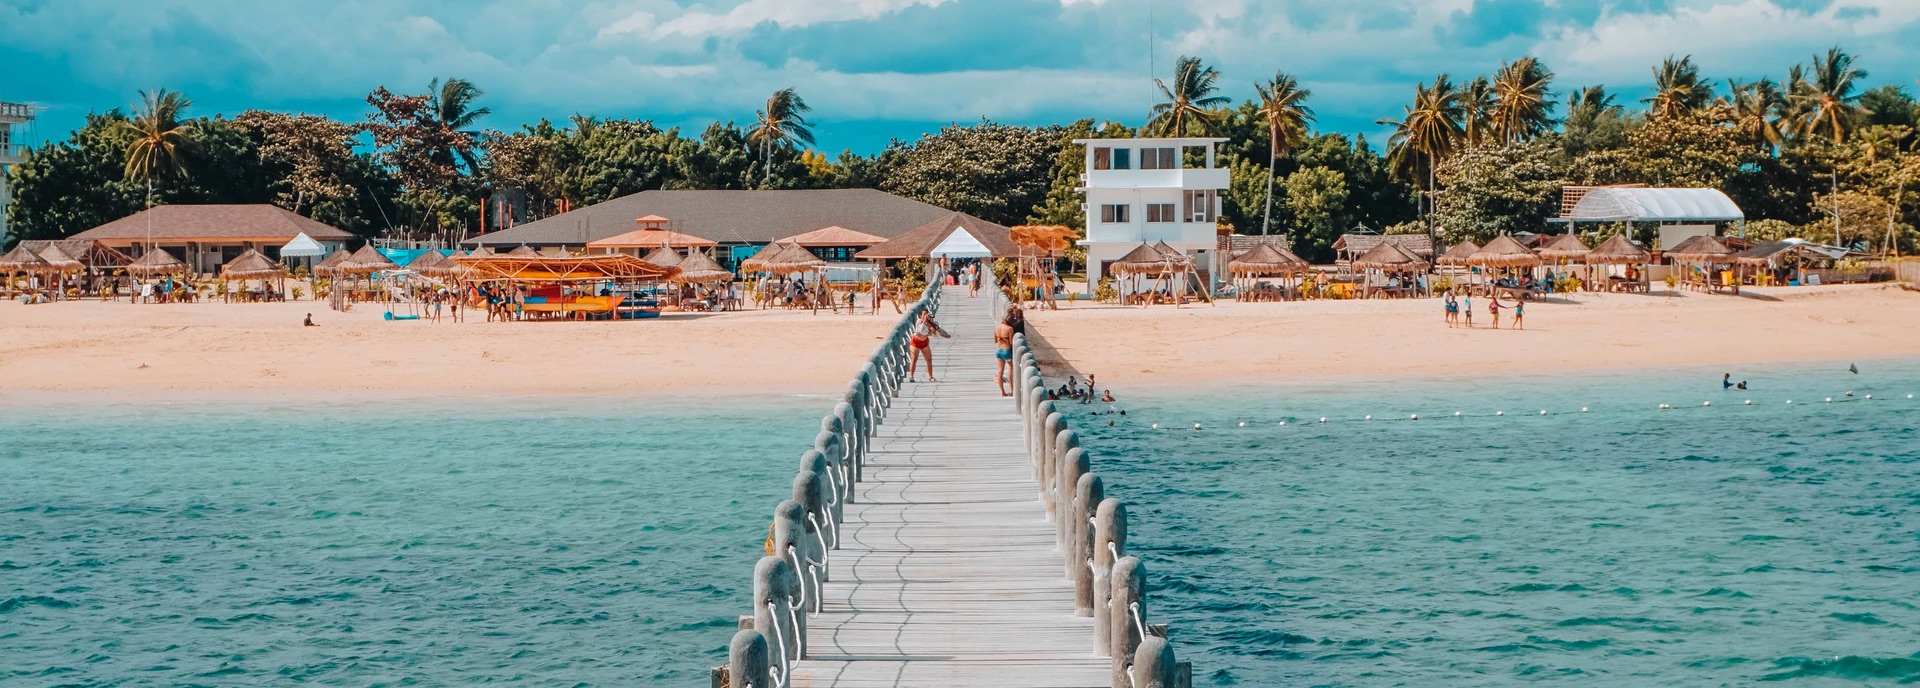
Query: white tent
pixel 1632 204
pixel 961 244
pixel 303 246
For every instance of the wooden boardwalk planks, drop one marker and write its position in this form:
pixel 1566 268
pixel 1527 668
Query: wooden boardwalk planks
pixel 948 574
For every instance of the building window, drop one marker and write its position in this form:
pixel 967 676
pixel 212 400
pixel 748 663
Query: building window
pixel 1158 159
pixel 1160 212
pixel 1103 158
pixel 1200 205
pixel 1123 158
pixel 1115 213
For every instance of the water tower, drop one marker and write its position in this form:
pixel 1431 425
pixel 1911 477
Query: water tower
pixel 12 147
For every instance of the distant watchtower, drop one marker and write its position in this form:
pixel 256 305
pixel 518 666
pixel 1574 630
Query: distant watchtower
pixel 12 148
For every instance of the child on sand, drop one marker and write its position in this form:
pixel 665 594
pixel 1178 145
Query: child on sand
pixel 1495 309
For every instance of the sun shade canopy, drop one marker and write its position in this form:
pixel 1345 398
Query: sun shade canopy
pixel 1655 205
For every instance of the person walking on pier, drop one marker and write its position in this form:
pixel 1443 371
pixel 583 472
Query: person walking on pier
pixel 1003 352
pixel 921 343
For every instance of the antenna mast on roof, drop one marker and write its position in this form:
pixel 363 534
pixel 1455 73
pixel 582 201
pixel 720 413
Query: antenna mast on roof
pixel 1151 98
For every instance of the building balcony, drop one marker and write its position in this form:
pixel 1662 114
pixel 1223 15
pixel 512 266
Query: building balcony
pixel 11 154
pixel 1149 232
pixel 1189 179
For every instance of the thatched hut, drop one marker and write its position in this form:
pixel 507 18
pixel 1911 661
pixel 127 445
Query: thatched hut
pixel 1698 256
pixel 1565 248
pixel 1618 250
pixel 366 261
pixel 156 262
pixel 664 257
pixel 523 251
pixel 252 265
pixel 427 263
pixel 1265 260
pixel 791 260
pixel 330 265
pixel 1457 256
pixel 700 268
pixel 1504 252
pixel 1391 261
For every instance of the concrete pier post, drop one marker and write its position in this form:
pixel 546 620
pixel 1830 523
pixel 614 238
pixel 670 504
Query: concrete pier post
pixel 1049 436
pixel 792 543
pixel 808 490
pixel 747 663
pixel 773 613
pixel 1087 495
pixel 1109 544
pixel 1064 442
pixel 815 461
pixel 1153 663
pixel 1073 464
pixel 1129 616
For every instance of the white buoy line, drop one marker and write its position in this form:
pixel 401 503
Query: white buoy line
pixel 1848 397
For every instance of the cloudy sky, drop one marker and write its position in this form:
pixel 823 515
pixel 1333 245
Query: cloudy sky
pixel 879 69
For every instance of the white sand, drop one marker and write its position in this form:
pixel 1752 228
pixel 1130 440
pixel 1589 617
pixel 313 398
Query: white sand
pixel 1331 340
pixel 86 351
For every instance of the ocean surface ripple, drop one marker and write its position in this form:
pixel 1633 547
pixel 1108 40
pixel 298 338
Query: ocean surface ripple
pixel 1625 545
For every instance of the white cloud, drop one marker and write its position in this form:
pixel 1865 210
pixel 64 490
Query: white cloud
pixel 786 14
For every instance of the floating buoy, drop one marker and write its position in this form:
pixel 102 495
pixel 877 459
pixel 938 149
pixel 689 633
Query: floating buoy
pixel 1543 412
pixel 1323 420
pixel 1829 400
pixel 1849 392
pixel 1499 413
pixel 1415 417
pixel 1243 424
pixel 1583 409
pixel 1456 414
pixel 1283 422
pixel 1749 402
pixel 1369 417
pixel 1789 401
pixel 1663 407
pixel 1196 426
pixel 1156 426
pixel 1706 403
pixel 1869 396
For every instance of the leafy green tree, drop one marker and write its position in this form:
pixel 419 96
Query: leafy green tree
pixel 781 126
pixel 619 157
pixel 1594 122
pixel 65 187
pixel 1759 107
pixel 536 160
pixel 1317 199
pixel 1283 109
pixel 1694 150
pixel 1189 102
pixel 1678 89
pixel 1826 104
pixel 992 171
pixel 1524 108
pixel 717 161
pixel 1890 105
pixel 421 149
pixel 314 151
pixel 1492 189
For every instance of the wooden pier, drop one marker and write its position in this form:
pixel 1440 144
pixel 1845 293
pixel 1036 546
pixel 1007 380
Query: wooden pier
pixel 931 539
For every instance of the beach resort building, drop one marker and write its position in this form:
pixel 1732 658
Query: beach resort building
pixel 205 237
pixel 1147 191
pixel 12 151
pixel 832 223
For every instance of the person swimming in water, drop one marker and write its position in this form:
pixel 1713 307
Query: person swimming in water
pixel 1726 380
pixel 1107 396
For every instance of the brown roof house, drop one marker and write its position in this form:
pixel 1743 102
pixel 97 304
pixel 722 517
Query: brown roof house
pixel 208 236
pixel 957 235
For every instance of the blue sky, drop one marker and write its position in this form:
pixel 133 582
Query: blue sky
pixel 878 69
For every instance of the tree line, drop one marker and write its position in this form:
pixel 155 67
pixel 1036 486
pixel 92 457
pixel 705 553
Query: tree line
pixel 1467 160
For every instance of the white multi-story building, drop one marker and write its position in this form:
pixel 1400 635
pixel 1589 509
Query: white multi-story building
pixel 1143 191
pixel 11 114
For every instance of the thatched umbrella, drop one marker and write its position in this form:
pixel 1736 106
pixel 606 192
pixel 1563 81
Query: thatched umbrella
pixel 1388 257
pixel 1704 251
pixel 252 265
pixel 480 252
pixel 757 261
pixel 428 263
pixel 523 251
pixel 21 260
pixel 1266 260
pixel 366 261
pixel 1504 252
pixel 664 257
pixel 792 259
pixel 699 268
pixel 1618 250
pixel 1565 247
pixel 1143 259
pixel 330 266
pixel 556 252
pixel 59 262
pixel 156 261
pixel 1457 256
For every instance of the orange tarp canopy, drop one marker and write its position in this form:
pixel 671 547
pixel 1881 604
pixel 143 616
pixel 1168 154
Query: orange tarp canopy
pixel 546 269
pixel 651 238
pixel 1051 238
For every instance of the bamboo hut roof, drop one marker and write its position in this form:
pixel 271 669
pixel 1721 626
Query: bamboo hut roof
pixel 480 252
pixel 252 265
pixel 556 252
pixel 1143 259
pixel 156 261
pixel 1504 252
pixel 651 237
pixel 834 236
pixel 1702 249
pixel 1457 255
pixel 1565 247
pixel 22 260
pixel 663 257
pixel 330 265
pixel 92 253
pixel 701 268
pixel 554 270
pixel 1388 256
pixel 1618 250
pixel 1764 253
pixel 366 261
pixel 436 264
pixel 1420 245
pixel 523 251
pixel 59 261
pixel 1266 259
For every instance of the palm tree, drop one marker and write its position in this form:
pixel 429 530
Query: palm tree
pixel 1287 119
pixel 451 104
pixel 159 139
pixel 1828 101
pixel 1431 128
pixel 1525 108
pixel 1759 109
pixel 782 124
pixel 1477 105
pixel 1678 88
pixel 1190 100
pixel 1591 101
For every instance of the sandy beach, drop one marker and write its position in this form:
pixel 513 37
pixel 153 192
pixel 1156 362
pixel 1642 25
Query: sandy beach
pixel 88 351
pixel 1128 348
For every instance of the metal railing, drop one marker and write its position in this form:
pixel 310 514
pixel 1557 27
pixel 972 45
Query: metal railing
pixel 806 529
pixel 1091 528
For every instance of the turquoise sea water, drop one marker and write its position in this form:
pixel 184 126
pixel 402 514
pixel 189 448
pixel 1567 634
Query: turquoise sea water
pixel 555 544
pixel 1727 545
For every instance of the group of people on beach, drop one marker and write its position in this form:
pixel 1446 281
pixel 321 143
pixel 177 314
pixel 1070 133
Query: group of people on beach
pixel 1459 310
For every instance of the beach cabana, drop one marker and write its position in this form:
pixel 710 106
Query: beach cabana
pixel 1146 274
pixel 647 238
pixel 253 265
pixel 1699 256
pixel 366 261
pixel 1265 260
pixel 1565 248
pixel 156 262
pixel 700 268
pixel 544 286
pixel 523 251
pixel 664 257
pixel 1504 252
pixel 21 261
pixel 1787 261
pixel 1457 256
pixel 1393 263
pixel 834 244
pixel 330 266
pixel 1620 252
